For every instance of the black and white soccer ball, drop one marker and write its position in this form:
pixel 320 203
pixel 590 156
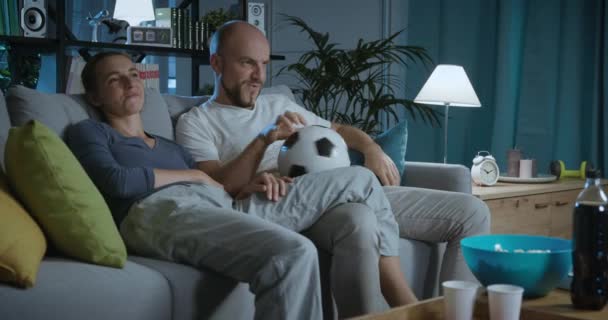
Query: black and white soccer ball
pixel 312 149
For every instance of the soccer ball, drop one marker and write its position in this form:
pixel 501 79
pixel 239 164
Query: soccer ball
pixel 312 149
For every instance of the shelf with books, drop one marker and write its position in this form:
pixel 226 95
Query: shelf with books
pixel 202 56
pixel 62 40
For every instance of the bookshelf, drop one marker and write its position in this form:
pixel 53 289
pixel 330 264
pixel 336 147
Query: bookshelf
pixel 64 40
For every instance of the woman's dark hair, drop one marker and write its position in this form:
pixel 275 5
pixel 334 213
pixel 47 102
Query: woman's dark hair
pixel 89 74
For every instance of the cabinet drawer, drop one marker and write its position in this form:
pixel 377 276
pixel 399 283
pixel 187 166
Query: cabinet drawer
pixel 524 215
pixel 562 206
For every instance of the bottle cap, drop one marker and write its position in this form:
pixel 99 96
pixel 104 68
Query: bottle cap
pixel 593 173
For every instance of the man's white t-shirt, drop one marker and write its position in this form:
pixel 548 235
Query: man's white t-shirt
pixel 215 131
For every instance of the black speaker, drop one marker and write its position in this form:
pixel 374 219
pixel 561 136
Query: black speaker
pixel 33 18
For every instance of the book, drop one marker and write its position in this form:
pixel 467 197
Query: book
pixel 74 83
pixel 174 28
pixel 180 28
pixel 190 33
pixel 196 33
pixel 150 74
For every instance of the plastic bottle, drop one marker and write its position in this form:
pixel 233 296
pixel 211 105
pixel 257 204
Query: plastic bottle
pixel 589 288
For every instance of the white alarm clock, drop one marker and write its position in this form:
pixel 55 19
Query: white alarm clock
pixel 484 171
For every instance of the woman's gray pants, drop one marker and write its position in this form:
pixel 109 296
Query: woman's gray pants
pixel 200 225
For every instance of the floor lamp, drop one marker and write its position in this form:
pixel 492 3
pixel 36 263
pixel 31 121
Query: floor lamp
pixel 448 86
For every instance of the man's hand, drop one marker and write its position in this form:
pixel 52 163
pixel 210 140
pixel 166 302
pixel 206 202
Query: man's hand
pixel 382 165
pixel 283 127
pixel 274 187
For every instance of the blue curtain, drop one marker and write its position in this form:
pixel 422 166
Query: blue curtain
pixel 539 68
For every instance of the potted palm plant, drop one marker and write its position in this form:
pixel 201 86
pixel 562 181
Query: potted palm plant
pixel 355 86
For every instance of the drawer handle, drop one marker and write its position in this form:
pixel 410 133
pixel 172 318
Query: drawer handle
pixel 561 203
pixel 541 205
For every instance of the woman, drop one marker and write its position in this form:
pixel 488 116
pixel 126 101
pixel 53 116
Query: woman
pixel 167 209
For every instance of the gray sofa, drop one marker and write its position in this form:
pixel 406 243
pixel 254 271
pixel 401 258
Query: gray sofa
pixel 152 289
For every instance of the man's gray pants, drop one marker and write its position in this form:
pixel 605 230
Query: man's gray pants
pixel 198 225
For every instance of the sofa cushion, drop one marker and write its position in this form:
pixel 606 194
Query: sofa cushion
pixel 178 105
pixel 58 111
pixel 72 290
pixel 192 299
pixel 62 198
pixel 155 115
pixel 393 142
pixel 22 244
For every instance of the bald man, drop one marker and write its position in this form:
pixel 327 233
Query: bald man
pixel 235 137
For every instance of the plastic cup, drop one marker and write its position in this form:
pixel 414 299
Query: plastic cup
pixel 505 301
pixel 459 299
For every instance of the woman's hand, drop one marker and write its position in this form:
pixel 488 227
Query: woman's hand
pixel 201 176
pixel 274 187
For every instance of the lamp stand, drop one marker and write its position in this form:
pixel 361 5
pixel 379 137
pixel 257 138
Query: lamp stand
pixel 445 134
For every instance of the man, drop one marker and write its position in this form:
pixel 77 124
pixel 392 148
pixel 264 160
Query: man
pixel 237 134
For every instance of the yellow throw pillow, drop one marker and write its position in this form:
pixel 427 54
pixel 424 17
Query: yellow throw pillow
pixel 22 244
pixel 56 190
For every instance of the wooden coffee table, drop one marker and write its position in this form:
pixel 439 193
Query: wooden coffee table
pixel 555 306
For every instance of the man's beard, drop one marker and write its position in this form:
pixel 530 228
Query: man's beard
pixel 235 92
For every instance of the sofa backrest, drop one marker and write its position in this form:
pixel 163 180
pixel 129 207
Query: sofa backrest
pixel 180 104
pixel 58 111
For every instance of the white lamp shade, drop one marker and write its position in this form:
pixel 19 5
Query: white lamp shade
pixel 134 11
pixel 448 84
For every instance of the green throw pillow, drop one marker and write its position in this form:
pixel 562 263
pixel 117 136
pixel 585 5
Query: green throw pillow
pixel 61 197
pixel 393 142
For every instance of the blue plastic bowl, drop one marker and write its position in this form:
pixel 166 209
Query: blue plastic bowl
pixel 537 273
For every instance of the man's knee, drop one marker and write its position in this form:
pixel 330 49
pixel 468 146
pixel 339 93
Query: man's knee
pixel 297 247
pixel 359 227
pixel 479 216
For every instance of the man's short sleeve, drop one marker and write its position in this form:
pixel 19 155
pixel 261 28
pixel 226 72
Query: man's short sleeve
pixel 192 134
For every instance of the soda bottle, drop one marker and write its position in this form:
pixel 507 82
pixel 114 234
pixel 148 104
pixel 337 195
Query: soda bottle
pixel 589 288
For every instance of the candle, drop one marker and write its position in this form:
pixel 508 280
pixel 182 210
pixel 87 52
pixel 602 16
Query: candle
pixel 527 168
pixel 513 157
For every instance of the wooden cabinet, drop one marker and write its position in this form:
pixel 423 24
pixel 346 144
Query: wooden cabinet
pixel 539 209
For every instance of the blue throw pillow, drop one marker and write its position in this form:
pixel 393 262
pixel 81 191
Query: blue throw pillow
pixel 393 142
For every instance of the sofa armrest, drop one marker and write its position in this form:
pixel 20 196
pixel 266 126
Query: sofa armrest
pixel 448 177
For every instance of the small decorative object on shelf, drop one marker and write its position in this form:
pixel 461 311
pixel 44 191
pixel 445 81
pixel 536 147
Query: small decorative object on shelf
pixel 149 36
pixel 95 21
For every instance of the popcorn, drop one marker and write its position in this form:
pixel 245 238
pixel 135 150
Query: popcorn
pixel 498 248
